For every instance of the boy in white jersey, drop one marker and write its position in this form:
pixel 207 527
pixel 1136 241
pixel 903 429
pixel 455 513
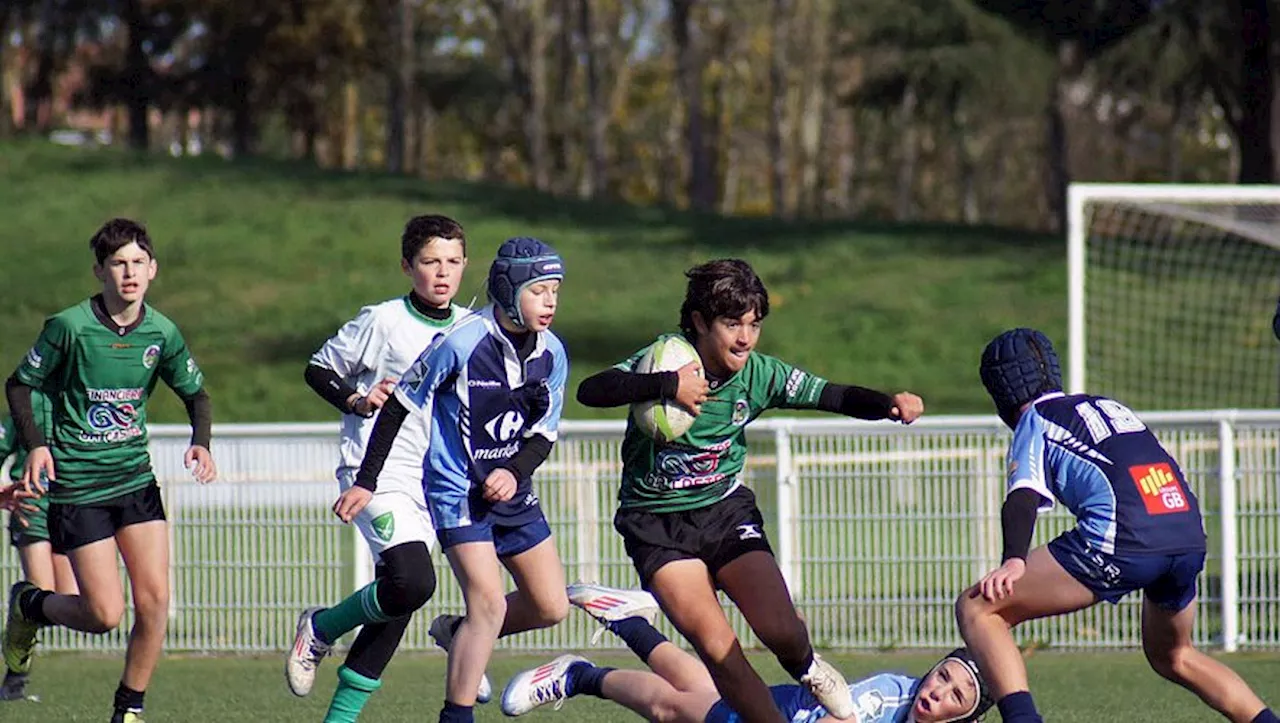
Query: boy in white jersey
pixel 355 371
pixel 680 689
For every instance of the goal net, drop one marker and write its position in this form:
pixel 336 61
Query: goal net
pixel 1172 293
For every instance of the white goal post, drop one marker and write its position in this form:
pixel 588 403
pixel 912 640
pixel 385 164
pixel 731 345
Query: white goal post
pixel 1172 289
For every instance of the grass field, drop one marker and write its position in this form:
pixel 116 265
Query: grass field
pixel 261 261
pixel 1070 688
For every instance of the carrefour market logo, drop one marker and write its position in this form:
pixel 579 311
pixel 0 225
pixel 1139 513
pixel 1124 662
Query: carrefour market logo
pixel 150 355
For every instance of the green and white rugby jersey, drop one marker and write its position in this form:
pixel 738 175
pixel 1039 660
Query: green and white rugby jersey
pixel 98 380
pixel 705 464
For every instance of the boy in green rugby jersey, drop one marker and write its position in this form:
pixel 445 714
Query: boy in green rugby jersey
pixel 99 362
pixel 29 535
pixel 688 523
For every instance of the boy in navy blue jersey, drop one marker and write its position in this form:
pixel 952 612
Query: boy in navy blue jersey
pixel 1138 528
pixel 491 389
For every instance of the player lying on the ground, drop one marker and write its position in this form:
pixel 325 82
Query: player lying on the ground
pixel 1138 528
pixel 689 524
pixel 680 689
pixel 29 535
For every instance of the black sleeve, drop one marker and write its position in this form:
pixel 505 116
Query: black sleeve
pixel 614 388
pixel 385 429
pixel 200 412
pixel 855 401
pixel 1275 323
pixel 24 415
pixel 331 387
pixel 533 452
pixel 1018 520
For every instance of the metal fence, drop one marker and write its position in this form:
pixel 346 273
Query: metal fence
pixel 877 528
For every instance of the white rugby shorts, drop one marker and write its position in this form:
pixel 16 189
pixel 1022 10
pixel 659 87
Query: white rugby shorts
pixel 392 517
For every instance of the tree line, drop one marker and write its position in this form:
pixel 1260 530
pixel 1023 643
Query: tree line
pixel 963 111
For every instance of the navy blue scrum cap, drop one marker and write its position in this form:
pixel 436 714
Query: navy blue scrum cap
pixel 521 261
pixel 1018 366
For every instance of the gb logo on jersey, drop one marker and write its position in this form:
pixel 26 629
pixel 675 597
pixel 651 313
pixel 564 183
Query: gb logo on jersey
pixel 505 426
pixel 1161 492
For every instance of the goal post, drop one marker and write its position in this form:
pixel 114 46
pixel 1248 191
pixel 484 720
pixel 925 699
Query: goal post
pixel 1172 289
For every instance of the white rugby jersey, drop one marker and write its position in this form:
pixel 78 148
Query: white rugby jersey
pixel 382 341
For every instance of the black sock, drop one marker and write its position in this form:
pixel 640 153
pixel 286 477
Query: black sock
pixel 585 679
pixel 32 606
pixel 1266 716
pixel 798 669
pixel 454 713
pixel 1019 708
pixel 638 634
pixel 375 645
pixel 128 699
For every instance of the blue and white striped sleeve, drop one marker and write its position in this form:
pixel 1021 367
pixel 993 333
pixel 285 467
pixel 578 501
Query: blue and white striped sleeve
pixel 1027 461
pixel 434 365
pixel 549 425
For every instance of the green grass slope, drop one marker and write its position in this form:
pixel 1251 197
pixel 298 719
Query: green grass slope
pixel 260 261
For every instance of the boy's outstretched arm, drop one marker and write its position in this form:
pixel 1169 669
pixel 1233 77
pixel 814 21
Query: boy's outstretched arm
pixel 614 387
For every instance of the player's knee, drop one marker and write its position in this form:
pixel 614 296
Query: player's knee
pixel 969 609
pixel 151 605
pixel 1175 664
pixel 553 610
pixel 487 609
pixel 419 589
pixel 103 616
pixel 407 579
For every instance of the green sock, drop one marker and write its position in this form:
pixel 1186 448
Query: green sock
pixel 352 693
pixel 360 608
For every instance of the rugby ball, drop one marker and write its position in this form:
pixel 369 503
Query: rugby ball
pixel 664 420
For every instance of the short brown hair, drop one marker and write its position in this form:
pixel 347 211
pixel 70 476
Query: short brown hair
pixel 116 234
pixel 722 288
pixel 421 229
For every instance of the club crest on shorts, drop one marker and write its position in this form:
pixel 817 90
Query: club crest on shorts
pixel 384 526
pixel 749 531
pixel 150 355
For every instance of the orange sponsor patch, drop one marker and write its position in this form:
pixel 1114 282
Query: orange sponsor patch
pixel 1161 491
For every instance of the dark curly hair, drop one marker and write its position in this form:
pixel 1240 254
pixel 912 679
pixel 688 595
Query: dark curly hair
pixel 725 288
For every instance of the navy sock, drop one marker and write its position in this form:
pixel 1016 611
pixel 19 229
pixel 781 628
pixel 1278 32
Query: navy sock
pixel 454 713
pixel 1019 708
pixel 583 678
pixel 1266 716
pixel 638 634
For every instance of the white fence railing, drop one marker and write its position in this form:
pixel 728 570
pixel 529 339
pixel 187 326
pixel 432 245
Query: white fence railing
pixel 877 528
